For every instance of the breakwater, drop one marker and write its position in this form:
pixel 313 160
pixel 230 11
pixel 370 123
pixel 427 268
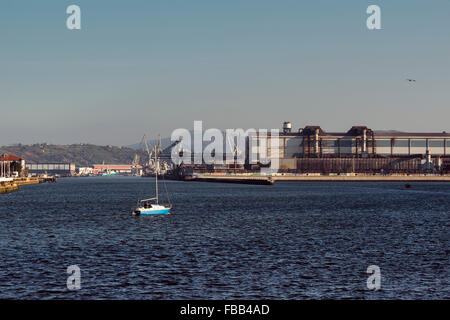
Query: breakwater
pixel 11 185
pixel 261 180
pixel 367 178
pixel 268 180
pixel 8 186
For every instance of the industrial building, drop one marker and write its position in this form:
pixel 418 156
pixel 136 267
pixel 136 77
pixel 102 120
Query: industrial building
pixel 61 169
pixel 358 150
pixel 122 169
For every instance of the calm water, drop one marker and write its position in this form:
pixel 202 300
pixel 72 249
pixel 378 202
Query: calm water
pixel 288 241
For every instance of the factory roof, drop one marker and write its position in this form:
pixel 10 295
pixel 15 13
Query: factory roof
pixel 412 134
pixel 356 131
pixel 359 130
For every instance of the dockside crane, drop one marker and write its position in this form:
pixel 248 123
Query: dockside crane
pixel 144 145
pixel 235 151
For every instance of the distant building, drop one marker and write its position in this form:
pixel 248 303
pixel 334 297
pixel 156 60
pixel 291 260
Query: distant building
pixel 62 169
pixel 11 165
pixel 126 169
pixel 85 171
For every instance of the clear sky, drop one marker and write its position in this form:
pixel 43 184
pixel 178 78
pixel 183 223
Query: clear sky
pixel 151 66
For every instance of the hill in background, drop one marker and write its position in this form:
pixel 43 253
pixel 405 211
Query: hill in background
pixel 80 154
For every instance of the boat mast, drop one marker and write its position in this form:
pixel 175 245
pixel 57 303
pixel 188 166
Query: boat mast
pixel 156 174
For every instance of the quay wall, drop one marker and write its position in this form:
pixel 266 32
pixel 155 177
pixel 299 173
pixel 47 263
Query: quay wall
pixel 316 177
pixel 368 178
pixel 8 186
pixel 14 184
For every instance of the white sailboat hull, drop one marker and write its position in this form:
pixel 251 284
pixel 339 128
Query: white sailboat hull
pixel 154 210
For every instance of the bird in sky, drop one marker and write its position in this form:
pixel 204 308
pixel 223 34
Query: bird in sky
pixel 411 80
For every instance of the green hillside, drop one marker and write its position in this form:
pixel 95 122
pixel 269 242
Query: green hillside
pixel 80 154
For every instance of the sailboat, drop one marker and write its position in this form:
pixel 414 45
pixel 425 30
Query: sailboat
pixel 151 206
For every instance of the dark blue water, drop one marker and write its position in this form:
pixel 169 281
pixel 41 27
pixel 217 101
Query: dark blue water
pixel 288 241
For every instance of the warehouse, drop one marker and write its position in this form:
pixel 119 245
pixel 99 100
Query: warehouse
pixel 360 149
pixel 61 169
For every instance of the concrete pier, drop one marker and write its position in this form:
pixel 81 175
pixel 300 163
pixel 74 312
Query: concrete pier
pixel 368 178
pixel 261 180
pixel 10 185
pixel 267 180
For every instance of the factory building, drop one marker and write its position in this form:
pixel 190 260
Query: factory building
pixel 124 169
pixel 360 149
pixel 61 169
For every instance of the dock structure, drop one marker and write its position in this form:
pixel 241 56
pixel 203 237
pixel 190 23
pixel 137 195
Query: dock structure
pixel 313 150
pixel 13 184
pixel 258 180
pixel 270 180
pixel 366 178
pixel 8 185
pixel 313 154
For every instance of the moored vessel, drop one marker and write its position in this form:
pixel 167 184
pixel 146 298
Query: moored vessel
pixel 151 206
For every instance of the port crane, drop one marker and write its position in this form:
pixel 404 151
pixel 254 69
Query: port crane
pixel 164 156
pixel 235 151
pixel 144 145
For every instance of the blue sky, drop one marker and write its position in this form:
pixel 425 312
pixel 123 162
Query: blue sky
pixel 153 66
